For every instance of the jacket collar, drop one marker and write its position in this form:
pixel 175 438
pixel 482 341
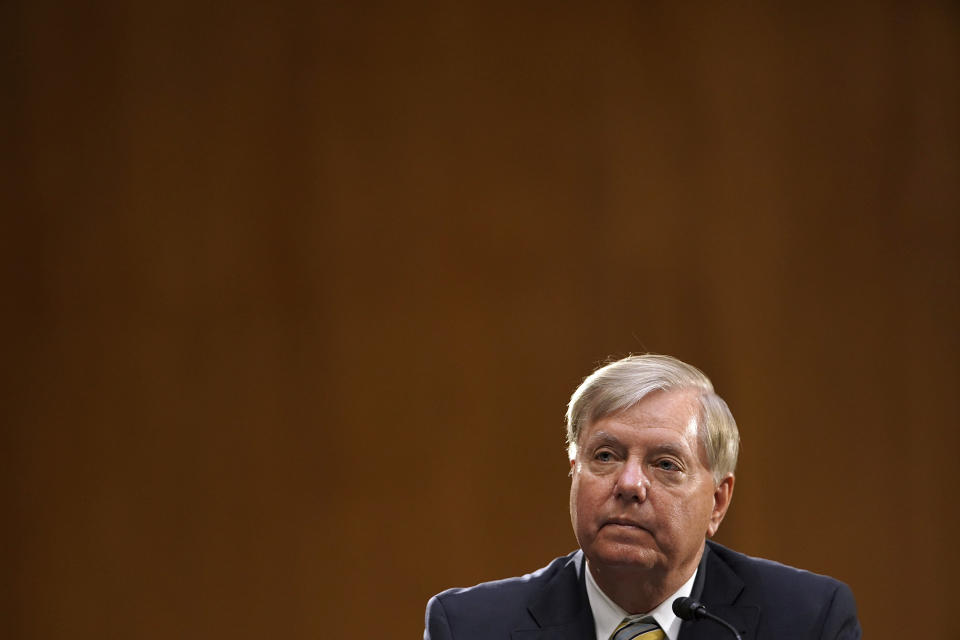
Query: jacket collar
pixel 561 611
pixel 718 587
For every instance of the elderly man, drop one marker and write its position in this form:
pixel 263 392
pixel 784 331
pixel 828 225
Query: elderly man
pixel 652 452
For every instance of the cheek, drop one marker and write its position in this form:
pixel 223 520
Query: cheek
pixel 574 498
pixel 692 513
pixel 584 500
pixel 680 508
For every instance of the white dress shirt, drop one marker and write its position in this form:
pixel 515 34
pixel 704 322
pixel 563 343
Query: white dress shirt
pixel 607 614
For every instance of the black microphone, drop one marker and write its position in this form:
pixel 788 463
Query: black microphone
pixel 690 609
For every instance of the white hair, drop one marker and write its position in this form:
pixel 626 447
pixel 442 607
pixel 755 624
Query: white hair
pixel 620 385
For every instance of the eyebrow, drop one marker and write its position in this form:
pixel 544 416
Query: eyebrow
pixel 669 447
pixel 599 438
pixel 602 437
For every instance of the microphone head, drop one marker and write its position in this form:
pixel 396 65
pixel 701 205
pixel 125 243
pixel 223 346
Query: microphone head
pixel 686 608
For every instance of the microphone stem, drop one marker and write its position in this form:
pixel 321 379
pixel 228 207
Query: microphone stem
pixel 703 613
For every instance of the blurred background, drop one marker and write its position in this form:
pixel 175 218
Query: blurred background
pixel 295 295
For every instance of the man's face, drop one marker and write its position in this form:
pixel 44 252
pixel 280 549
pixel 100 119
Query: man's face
pixel 642 496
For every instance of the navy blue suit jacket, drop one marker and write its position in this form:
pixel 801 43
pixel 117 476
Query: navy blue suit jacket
pixel 764 600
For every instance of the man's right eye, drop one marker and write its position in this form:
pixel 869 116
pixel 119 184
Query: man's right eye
pixel 603 456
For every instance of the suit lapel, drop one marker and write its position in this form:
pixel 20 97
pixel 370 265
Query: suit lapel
pixel 561 610
pixel 718 587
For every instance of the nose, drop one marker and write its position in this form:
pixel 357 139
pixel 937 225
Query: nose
pixel 632 484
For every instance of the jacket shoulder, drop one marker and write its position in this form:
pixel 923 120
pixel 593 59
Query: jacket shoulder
pixel 507 589
pixel 496 606
pixel 770 574
pixel 792 597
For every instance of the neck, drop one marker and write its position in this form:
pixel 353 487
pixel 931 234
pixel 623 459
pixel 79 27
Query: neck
pixel 639 591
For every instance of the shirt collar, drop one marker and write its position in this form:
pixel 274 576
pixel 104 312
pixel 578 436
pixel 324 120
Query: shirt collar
pixel 607 614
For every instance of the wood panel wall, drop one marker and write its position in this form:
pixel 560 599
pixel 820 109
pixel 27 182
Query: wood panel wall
pixel 295 295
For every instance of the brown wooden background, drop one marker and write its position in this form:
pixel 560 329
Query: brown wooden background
pixel 295 295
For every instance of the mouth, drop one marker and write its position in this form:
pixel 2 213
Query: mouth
pixel 623 522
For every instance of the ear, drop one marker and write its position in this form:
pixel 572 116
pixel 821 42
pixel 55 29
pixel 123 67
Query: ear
pixel 722 496
pixel 572 463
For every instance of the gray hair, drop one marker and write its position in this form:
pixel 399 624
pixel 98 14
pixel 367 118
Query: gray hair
pixel 620 385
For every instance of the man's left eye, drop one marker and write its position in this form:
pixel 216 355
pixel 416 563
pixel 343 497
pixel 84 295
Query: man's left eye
pixel 667 465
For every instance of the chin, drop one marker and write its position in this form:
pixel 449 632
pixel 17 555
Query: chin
pixel 623 556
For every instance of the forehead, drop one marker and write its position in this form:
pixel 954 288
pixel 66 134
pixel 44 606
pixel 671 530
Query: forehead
pixel 670 414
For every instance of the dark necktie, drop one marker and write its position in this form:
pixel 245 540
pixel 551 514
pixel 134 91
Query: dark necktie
pixel 638 628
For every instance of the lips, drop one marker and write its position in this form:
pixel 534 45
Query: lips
pixel 624 522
